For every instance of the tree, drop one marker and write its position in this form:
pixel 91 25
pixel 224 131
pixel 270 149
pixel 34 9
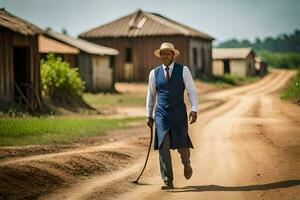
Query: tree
pixel 281 43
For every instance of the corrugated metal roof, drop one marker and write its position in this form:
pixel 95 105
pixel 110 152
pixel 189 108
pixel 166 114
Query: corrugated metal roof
pixel 17 24
pixel 47 45
pixel 81 44
pixel 231 53
pixel 141 23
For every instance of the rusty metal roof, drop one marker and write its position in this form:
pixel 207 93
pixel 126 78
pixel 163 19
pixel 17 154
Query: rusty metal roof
pixel 17 24
pixel 141 23
pixel 231 53
pixel 47 45
pixel 81 44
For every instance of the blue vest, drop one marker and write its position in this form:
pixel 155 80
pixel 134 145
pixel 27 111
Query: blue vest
pixel 170 111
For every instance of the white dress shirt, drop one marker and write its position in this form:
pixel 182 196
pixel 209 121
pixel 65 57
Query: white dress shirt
pixel 188 83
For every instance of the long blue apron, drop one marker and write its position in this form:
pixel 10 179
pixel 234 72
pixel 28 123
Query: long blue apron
pixel 170 112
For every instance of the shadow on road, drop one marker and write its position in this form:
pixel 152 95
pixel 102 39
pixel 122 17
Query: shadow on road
pixel 268 186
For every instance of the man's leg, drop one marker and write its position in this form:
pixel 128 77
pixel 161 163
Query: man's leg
pixel 185 156
pixel 185 159
pixel 165 160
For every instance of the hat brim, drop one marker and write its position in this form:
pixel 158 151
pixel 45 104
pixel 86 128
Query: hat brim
pixel 157 52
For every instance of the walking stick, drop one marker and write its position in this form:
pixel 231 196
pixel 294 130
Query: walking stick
pixel 151 137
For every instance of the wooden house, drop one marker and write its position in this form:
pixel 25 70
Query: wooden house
pixel 237 61
pixel 19 61
pixel 138 34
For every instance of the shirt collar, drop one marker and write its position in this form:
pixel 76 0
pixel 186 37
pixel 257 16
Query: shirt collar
pixel 170 66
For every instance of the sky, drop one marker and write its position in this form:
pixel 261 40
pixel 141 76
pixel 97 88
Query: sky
pixel 222 19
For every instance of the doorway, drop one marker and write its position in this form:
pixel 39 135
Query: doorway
pixel 21 63
pixel 129 71
pixel 226 66
pixel 203 61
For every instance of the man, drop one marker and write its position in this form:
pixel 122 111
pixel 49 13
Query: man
pixel 168 82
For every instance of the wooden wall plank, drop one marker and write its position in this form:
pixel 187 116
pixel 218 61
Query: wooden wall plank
pixel 1 66
pixel 143 57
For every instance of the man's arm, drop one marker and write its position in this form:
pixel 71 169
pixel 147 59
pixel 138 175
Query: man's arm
pixel 151 98
pixel 192 93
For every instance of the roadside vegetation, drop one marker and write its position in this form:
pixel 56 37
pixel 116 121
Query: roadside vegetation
pixel 230 80
pixel 61 83
pixel 49 130
pixel 292 90
pixel 283 60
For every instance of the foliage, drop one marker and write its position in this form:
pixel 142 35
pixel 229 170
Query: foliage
pixel 281 43
pixel 280 60
pixel 292 91
pixel 60 82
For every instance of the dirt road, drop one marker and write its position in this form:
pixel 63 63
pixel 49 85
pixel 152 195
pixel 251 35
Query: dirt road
pixel 247 146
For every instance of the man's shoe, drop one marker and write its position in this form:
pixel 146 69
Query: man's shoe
pixel 188 171
pixel 167 186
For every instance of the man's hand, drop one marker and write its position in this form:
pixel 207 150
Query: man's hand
pixel 192 117
pixel 150 122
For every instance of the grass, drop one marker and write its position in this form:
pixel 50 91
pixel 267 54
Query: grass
pixel 34 130
pixel 228 80
pixel 120 99
pixel 285 60
pixel 292 91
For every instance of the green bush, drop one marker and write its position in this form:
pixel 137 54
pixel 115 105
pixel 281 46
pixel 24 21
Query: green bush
pixel 60 82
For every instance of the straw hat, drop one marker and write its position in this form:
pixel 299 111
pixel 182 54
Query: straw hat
pixel 166 46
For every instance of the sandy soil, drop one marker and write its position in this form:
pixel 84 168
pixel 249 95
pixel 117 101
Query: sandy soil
pixel 247 146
